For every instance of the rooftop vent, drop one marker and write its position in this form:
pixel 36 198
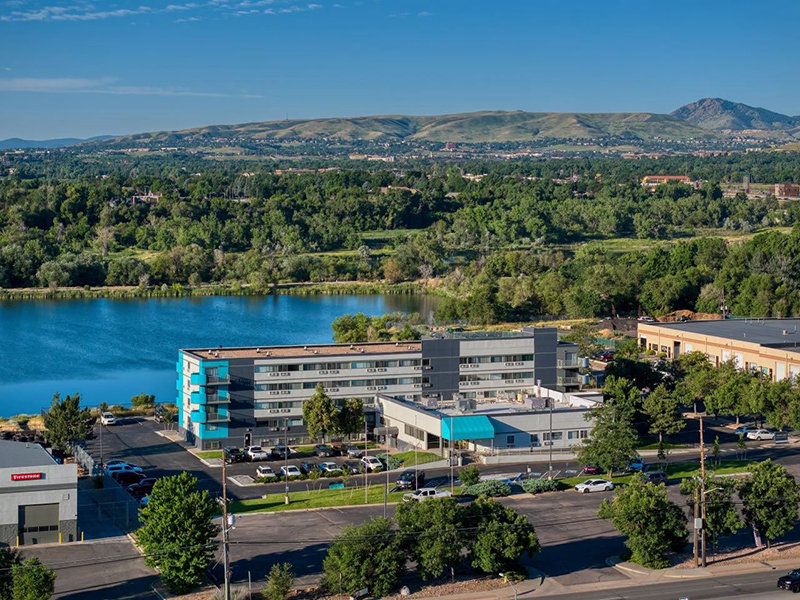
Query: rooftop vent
pixel 351 346
pixel 268 353
pixel 785 332
pixel 305 347
pixel 258 350
pixel 216 353
pixel 315 351
pixel 361 350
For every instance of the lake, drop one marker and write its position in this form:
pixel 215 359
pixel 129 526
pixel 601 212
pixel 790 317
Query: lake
pixel 109 350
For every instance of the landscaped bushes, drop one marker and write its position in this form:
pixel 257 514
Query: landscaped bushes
pixel 393 463
pixel 537 486
pixel 492 489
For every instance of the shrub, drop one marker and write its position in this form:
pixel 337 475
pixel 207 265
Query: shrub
pixel 279 582
pixel 237 593
pixel 392 463
pixel 470 476
pixel 492 489
pixel 141 400
pixel 515 573
pixel 537 486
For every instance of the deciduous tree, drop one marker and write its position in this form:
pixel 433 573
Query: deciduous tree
pixel 433 533
pixel 320 414
pixel 663 412
pixel 32 580
pixel 770 499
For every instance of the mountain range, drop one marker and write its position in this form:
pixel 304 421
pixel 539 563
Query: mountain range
pixel 14 143
pixel 709 119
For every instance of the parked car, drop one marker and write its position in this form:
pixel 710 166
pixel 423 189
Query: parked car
pixel 256 453
pixel 264 471
pixel 790 581
pixel 323 450
pixel 290 471
pixel 280 451
pixel 115 461
pixel 636 465
pixel 329 467
pixel 742 430
pixel 646 319
pixel 656 477
pixel 307 467
pixel 595 485
pixel 107 418
pixel 760 434
pixel 411 479
pixel 126 478
pixel 606 355
pixel 119 467
pixel 592 470
pixel 371 463
pixel 143 488
pixel 353 451
pixel 233 455
pixel 353 467
pixel 425 494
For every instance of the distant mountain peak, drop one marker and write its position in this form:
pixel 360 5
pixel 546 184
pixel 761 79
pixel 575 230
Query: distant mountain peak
pixel 719 114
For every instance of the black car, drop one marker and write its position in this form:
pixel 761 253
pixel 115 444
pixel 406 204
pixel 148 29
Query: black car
pixel 126 478
pixel 352 467
pixel 411 479
pixel 234 455
pixel 143 488
pixel 790 581
pixel 280 451
pixel 323 450
pixel 656 477
pixel 307 467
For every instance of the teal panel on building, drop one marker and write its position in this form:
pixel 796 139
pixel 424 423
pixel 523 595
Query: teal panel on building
pixel 473 427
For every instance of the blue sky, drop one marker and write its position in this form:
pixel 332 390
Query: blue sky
pixel 91 67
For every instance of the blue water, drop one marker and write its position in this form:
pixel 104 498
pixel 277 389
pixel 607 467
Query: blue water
pixel 109 350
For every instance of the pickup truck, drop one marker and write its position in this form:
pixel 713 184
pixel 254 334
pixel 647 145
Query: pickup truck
pixel 425 494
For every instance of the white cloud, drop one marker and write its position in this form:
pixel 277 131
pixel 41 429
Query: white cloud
pixel 105 85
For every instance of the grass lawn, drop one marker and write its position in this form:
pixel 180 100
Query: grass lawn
pixel 310 448
pixel 209 454
pixel 679 470
pixel 407 458
pixel 315 499
pixel 648 445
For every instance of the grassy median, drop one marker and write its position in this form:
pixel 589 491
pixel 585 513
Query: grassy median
pixel 679 470
pixel 316 499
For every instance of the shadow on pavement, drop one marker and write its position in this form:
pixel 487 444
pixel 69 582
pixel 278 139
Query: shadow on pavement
pixel 139 588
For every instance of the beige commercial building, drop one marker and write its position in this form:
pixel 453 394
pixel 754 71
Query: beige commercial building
pixel 768 346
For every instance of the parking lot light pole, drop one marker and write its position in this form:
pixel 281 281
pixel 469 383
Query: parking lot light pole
pixel 286 461
pixel 225 558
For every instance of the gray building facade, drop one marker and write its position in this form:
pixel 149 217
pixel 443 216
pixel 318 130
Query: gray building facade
pixel 38 497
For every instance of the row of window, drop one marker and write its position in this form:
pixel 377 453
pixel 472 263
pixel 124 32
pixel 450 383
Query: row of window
pixel 495 376
pixel 557 436
pixel 335 366
pixel 474 360
pixel 310 385
pixel 271 405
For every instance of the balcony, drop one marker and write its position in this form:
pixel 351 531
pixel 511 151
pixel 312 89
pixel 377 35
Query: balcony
pixel 200 416
pixel 569 381
pixel 573 363
pixel 201 398
pixel 214 380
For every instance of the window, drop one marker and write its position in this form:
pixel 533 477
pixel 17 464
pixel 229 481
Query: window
pixel 578 435
pixel 557 435
pixel 535 440
pixel 414 432
pixel 511 441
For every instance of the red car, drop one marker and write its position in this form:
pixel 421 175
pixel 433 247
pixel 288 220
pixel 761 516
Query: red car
pixel 592 470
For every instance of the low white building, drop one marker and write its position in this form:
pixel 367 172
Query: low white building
pixel 38 496
pixel 528 423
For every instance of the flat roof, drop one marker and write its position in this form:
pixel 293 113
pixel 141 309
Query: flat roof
pixel 308 351
pixel 767 332
pixel 23 454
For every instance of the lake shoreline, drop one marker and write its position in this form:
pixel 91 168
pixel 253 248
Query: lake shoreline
pixel 331 288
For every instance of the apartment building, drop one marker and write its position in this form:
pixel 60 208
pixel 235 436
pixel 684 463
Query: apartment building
pixel 767 346
pixel 243 396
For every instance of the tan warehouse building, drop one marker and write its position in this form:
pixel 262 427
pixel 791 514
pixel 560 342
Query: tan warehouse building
pixel 768 346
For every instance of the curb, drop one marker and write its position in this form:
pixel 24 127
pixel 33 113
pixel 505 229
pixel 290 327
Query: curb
pixel 615 562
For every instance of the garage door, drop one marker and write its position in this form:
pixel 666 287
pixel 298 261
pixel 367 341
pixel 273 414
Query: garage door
pixel 38 523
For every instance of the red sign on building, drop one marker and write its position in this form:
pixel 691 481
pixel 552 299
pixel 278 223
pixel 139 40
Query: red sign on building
pixel 25 476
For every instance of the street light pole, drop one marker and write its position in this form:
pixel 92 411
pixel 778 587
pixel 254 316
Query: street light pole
pixel 450 446
pixel 225 558
pixel 509 582
pixel 286 461
pixel 702 493
pixel 366 453
pixel 386 490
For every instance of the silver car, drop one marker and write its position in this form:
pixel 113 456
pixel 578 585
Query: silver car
pixel 760 434
pixel 595 485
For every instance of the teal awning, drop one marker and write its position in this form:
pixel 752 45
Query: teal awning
pixel 474 427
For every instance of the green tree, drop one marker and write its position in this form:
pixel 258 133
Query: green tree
pixel 66 422
pixel 177 534
pixel 279 582
pixel 320 414
pixel 365 556
pixel 613 440
pixel 433 534
pixel 500 535
pixel 663 412
pixel 32 580
pixel 715 451
pixel 143 400
pixel 583 335
pixel 351 417
pixel 652 524
pixel 697 379
pixel 8 558
pixel 770 497
pixel 470 475
pixel 722 518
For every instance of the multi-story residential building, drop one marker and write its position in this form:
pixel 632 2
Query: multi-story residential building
pixel 243 396
pixel 767 346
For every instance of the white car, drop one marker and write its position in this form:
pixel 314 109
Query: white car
pixel 370 463
pixel 122 468
pixel 425 494
pixel 108 418
pixel 329 467
pixel 760 434
pixel 595 485
pixel 264 471
pixel 256 453
pixel 290 471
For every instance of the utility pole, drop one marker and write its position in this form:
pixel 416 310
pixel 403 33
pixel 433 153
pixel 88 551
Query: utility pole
pixel 550 463
pixel 450 447
pixel 225 557
pixel 366 453
pixel 286 461
pixel 416 442
pixel 703 493
pixel 386 490
pixel 696 504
